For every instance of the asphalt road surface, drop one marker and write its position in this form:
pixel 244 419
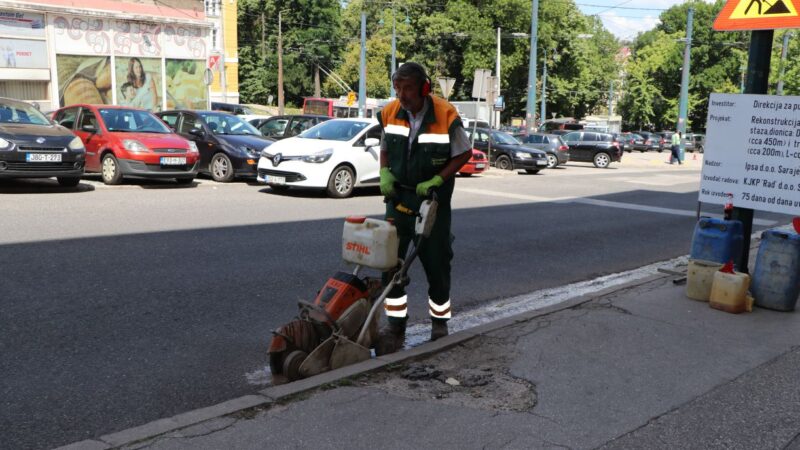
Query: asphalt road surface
pixel 121 305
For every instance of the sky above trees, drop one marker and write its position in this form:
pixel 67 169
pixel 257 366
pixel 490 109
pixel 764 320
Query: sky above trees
pixel 625 19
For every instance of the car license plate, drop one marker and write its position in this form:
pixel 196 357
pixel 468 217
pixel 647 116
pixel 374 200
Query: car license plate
pixel 43 157
pixel 272 179
pixel 173 161
pixel 541 162
pixel 480 166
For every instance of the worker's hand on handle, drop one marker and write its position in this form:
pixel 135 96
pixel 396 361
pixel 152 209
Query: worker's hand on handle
pixel 424 188
pixel 387 182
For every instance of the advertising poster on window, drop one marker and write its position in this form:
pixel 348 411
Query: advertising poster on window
pixel 23 54
pixel 21 24
pixel 185 86
pixel 83 79
pixel 139 82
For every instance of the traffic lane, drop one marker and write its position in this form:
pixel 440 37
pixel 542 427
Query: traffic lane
pixel 119 341
pixel 176 323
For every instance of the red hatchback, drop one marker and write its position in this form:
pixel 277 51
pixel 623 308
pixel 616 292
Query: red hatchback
pixel 122 142
pixel 476 164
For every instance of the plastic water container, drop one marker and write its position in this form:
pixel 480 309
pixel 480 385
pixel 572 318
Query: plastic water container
pixel 717 240
pixel 776 278
pixel 729 292
pixel 699 278
pixel 370 242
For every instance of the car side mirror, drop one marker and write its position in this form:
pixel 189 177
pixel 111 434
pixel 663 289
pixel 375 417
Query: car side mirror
pixel 372 142
pixel 89 128
pixel 198 132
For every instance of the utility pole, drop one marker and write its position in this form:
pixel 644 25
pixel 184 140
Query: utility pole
pixel 394 56
pixel 223 79
pixel 784 49
pixel 758 60
pixel 684 101
pixel 317 87
pixel 543 109
pixel 263 37
pixel 497 63
pixel 362 81
pixel 280 65
pixel 610 101
pixel 530 115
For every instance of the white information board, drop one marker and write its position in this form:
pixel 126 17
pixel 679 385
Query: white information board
pixel 753 152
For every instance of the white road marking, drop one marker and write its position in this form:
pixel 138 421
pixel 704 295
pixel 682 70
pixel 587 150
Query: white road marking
pixel 595 202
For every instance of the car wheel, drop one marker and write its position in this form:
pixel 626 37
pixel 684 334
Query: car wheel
pixel 700 149
pixel 110 170
pixel 504 163
pixel 532 171
pixel 221 168
pixel 184 180
pixel 340 184
pixel 602 160
pixel 68 181
pixel 552 161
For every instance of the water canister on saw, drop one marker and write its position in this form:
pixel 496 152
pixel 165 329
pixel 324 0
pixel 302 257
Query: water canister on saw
pixel 776 279
pixel 717 240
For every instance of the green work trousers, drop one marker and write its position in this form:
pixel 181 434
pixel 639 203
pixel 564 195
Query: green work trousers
pixel 435 252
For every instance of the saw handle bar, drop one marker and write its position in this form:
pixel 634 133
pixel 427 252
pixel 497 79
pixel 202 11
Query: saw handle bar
pixel 430 196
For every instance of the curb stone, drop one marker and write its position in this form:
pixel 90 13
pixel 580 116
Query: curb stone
pixel 281 392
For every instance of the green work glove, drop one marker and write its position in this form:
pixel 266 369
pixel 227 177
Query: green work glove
pixel 425 186
pixel 387 182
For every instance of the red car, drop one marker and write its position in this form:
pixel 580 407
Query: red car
pixel 122 142
pixel 476 164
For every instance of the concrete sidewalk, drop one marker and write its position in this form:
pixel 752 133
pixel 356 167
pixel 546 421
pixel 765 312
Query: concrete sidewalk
pixel 640 366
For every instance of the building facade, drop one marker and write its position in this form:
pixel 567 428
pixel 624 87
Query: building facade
pixel 224 59
pixel 150 54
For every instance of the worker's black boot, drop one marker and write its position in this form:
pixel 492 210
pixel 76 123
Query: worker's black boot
pixel 391 338
pixel 438 329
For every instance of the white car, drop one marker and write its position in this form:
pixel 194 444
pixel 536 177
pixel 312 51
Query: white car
pixel 337 155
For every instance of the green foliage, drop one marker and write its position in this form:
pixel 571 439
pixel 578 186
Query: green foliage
pixel 715 66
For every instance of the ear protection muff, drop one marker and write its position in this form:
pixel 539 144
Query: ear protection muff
pixel 425 89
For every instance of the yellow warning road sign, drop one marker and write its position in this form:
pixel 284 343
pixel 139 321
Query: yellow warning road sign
pixel 758 15
pixel 351 98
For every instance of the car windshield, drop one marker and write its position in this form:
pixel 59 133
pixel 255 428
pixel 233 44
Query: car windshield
pixel 21 113
pixel 335 130
pixel 221 123
pixel 132 121
pixel 505 138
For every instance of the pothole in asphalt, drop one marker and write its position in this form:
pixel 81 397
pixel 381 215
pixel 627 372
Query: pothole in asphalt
pixel 485 384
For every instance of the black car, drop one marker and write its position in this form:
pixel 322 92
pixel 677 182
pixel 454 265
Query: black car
pixel 652 141
pixel 589 146
pixel 281 127
pixel 556 149
pixel 33 147
pixel 506 152
pixel 229 147
pixel 232 108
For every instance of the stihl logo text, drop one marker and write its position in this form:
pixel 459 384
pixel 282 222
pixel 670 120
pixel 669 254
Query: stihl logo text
pixel 358 248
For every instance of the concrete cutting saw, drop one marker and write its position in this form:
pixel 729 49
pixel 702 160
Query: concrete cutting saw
pixel 340 326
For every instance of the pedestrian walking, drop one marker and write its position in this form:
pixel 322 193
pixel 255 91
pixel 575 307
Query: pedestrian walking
pixel 423 145
pixel 676 148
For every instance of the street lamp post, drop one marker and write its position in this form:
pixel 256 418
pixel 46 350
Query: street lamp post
pixel 362 82
pixel 394 48
pixel 784 49
pixel 684 100
pixel 530 110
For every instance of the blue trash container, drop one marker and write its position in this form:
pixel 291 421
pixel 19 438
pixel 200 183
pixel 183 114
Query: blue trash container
pixel 776 279
pixel 717 240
